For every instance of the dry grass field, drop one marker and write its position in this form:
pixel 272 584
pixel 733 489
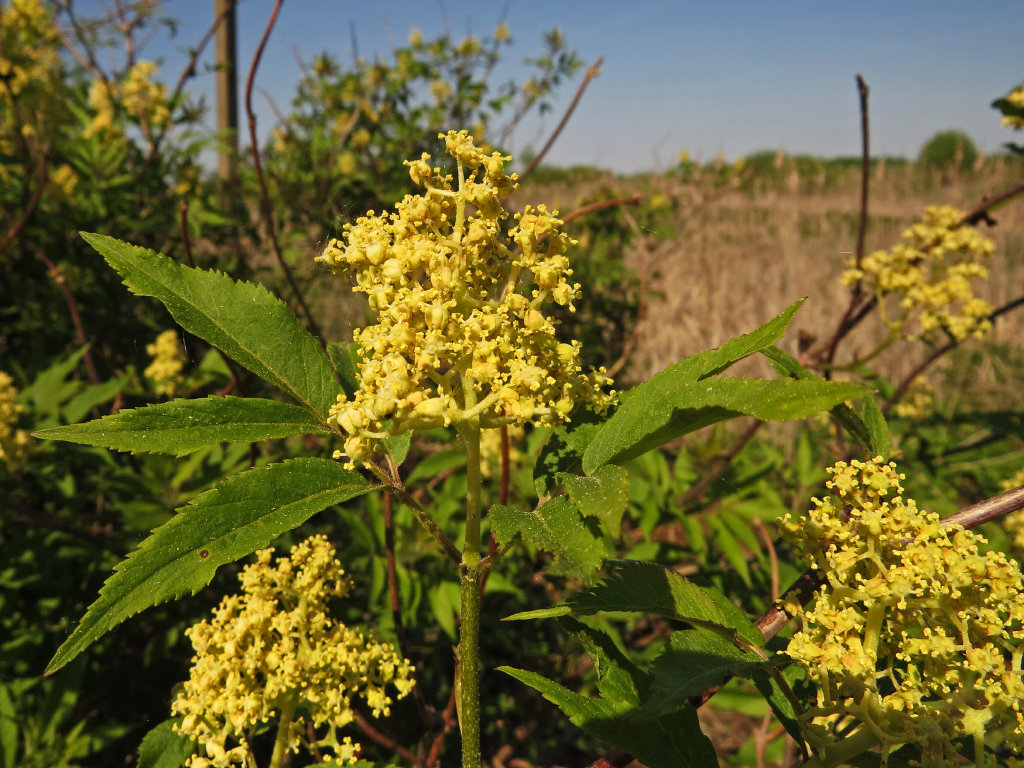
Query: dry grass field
pixel 734 256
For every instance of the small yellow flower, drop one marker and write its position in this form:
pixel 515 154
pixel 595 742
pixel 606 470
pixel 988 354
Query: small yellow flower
pixel 168 363
pixel 1016 98
pixel 918 402
pixel 14 442
pixel 274 652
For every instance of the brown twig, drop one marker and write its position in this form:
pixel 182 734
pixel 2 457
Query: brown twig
pixel 76 316
pixel 847 322
pixel 449 722
pixel 598 205
pixel 950 345
pixel 593 71
pixel 386 741
pixel 41 173
pixel 989 509
pixel 265 204
pixel 865 168
pixel 980 212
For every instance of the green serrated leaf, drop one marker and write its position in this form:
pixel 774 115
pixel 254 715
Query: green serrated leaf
pixel 879 438
pixel 619 680
pixel 604 495
pixel 398 446
pixel 673 740
pixel 693 662
pixel 563 451
pixel 610 445
pixel 344 356
pixel 779 700
pixel 541 613
pixel 163 747
pixel 244 320
pixel 631 585
pixel 178 427
pixel 868 437
pixel 554 527
pixel 243 513
pixel 653 415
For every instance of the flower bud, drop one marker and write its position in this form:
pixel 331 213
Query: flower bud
pixel 375 253
pixel 563 294
pixel 534 320
pixel 430 409
pixel 357 448
pixel 393 270
pixel 436 316
pixel 566 353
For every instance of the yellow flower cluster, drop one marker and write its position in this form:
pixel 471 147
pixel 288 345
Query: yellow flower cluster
pixel 275 652
pixel 168 362
pixel 916 635
pixel 138 96
pixel 461 336
pixel 29 54
pixel 931 272
pixel 14 442
pixel 918 402
pixel 32 93
pixel 1016 98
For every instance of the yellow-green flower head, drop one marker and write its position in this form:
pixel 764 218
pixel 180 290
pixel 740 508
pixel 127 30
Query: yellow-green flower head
pixel 138 96
pixel 275 653
pixel 918 402
pixel 917 635
pixel 462 335
pixel 168 362
pixel 14 442
pixel 931 272
pixel 1016 98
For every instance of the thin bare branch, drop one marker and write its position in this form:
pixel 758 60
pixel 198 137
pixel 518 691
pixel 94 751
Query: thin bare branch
pixel 268 210
pixel 592 72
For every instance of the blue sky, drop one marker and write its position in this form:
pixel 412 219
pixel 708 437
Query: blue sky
pixel 733 76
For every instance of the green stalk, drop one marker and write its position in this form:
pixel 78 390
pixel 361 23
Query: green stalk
pixel 843 751
pixel 283 727
pixel 467 688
